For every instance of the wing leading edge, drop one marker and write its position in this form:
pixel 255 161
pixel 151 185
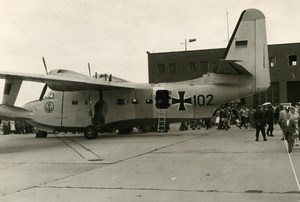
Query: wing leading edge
pixel 66 81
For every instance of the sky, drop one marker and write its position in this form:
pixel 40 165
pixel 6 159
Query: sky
pixel 114 35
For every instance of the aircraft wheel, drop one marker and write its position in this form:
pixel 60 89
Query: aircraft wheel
pixel 91 132
pixel 41 134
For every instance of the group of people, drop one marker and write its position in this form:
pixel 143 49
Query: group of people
pixel 16 127
pixel 232 114
pixel 288 118
pixel 262 118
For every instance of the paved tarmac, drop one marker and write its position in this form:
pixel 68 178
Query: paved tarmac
pixel 194 165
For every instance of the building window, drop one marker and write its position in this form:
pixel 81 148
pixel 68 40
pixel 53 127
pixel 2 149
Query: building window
pixel 293 60
pixel 74 102
pixel 161 68
pixel 172 68
pixel 272 61
pixel 192 67
pixel 204 67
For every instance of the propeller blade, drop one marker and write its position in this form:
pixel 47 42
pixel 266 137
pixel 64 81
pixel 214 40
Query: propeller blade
pixel 45 65
pixel 89 69
pixel 43 92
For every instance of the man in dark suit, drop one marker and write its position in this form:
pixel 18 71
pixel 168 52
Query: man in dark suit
pixel 270 120
pixel 289 128
pixel 260 123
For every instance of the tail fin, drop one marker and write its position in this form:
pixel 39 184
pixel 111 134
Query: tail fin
pixel 248 47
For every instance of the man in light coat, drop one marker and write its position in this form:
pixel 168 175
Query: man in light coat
pixel 289 128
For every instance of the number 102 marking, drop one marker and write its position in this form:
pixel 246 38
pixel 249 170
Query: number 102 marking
pixel 202 100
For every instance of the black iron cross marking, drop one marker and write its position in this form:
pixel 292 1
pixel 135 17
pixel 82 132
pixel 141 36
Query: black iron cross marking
pixel 181 101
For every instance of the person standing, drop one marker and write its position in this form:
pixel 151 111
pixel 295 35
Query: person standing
pixel 282 115
pixel 270 120
pixel 12 127
pixel 295 117
pixel 244 116
pixel 259 121
pixel 289 128
pixel 276 114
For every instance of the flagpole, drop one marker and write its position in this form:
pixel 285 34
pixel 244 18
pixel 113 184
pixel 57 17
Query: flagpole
pixel 185 43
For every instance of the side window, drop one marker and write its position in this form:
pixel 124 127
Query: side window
pixel 162 99
pixel 50 96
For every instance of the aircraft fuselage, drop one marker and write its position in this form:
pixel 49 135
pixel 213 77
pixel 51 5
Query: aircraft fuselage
pixel 126 108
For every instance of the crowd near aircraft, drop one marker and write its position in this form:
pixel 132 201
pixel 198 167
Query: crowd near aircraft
pixel 79 102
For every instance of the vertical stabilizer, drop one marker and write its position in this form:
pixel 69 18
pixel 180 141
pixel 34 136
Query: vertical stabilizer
pixel 248 45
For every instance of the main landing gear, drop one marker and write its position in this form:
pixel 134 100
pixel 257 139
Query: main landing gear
pixel 91 132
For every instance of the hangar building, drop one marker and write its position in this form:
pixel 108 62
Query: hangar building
pixel 184 65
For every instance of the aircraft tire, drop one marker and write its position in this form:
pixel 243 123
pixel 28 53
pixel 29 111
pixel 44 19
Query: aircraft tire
pixel 91 132
pixel 41 134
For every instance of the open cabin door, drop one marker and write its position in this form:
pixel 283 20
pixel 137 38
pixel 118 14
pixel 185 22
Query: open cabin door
pixel 162 99
pixel 177 103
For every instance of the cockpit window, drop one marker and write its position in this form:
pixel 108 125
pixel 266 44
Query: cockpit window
pixel 49 96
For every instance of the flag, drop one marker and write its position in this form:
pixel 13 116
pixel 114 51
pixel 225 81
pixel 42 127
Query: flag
pixel 192 40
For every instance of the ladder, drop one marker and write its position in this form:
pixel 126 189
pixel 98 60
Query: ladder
pixel 161 126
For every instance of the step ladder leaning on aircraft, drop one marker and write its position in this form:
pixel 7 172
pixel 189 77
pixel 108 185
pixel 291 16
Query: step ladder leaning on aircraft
pixel 78 102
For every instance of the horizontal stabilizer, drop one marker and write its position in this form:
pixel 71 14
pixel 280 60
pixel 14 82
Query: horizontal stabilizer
pixel 9 112
pixel 230 67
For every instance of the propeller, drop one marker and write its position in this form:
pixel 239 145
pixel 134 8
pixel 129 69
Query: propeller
pixel 43 92
pixel 45 65
pixel 46 86
pixel 89 69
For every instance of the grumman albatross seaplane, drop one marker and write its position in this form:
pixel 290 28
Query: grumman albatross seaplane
pixel 79 102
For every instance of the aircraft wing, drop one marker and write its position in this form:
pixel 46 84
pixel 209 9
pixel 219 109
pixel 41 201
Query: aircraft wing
pixel 230 67
pixel 64 80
